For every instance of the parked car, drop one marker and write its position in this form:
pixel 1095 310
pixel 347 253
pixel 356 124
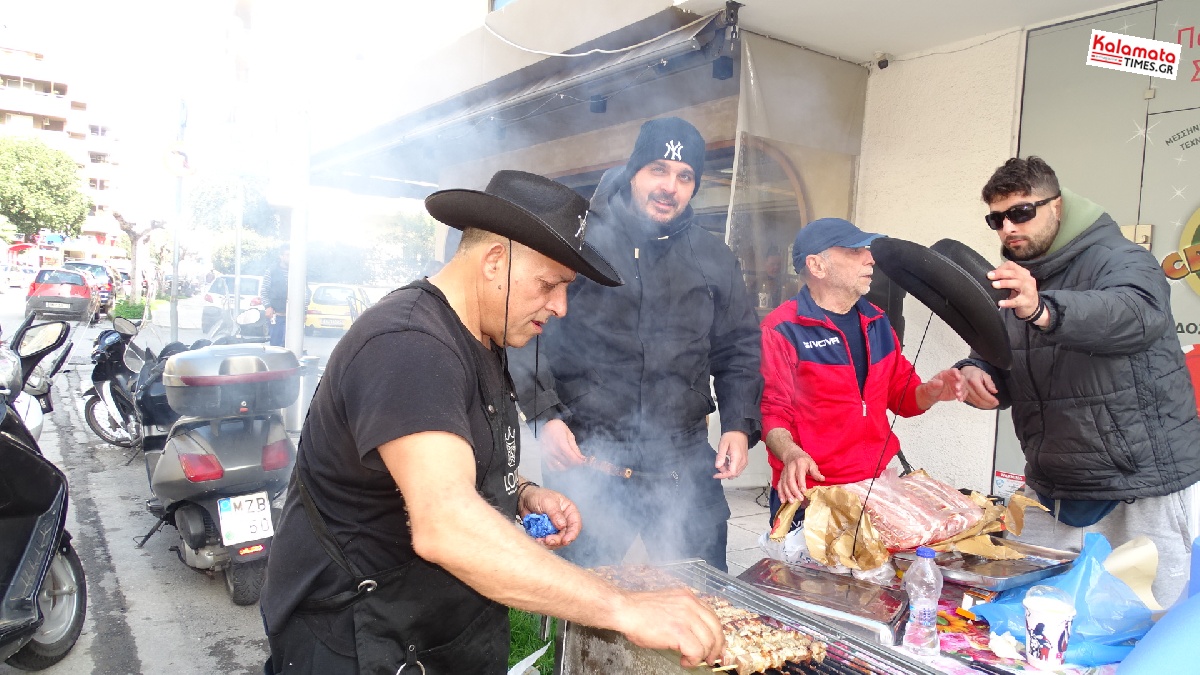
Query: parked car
pixel 11 276
pixel 126 282
pixel 187 285
pixel 333 307
pixel 105 276
pixel 63 292
pixel 220 296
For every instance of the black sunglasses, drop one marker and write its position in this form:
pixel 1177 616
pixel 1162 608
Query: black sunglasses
pixel 1021 213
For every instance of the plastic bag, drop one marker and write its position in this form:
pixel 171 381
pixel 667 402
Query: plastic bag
pixel 1108 613
pixel 792 549
pixel 880 576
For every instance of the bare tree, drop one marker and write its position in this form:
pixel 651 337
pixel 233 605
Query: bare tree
pixel 136 235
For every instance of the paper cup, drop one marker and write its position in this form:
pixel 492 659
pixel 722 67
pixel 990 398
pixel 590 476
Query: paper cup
pixel 1048 615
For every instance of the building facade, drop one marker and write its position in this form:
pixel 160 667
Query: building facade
pixel 890 114
pixel 38 100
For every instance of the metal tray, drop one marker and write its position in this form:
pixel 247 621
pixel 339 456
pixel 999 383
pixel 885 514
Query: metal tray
pixel 859 606
pixel 581 650
pixel 998 575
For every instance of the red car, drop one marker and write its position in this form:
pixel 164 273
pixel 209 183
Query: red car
pixel 62 292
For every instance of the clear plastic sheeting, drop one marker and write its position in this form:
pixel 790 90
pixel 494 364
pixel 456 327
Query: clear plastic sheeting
pixel 799 134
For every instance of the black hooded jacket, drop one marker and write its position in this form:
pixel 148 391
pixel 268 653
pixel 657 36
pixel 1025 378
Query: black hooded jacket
pixel 1101 401
pixel 633 362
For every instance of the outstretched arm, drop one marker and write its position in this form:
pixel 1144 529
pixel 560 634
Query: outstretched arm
pixel 452 526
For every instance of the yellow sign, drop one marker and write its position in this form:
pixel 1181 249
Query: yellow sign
pixel 1185 263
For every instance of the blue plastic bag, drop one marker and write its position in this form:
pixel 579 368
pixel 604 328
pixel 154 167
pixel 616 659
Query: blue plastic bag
pixel 1171 646
pixel 538 525
pixel 1108 613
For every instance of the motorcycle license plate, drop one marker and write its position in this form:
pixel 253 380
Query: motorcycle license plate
pixel 245 518
pixel 57 305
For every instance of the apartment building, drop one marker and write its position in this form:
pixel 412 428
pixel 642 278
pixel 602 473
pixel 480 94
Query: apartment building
pixel 38 100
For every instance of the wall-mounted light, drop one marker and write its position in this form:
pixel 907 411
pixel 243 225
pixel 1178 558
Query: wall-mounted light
pixel 597 104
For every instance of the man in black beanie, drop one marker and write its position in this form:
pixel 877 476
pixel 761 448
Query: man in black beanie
pixel 619 391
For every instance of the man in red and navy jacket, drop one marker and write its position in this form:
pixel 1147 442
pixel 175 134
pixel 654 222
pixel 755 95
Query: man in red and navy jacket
pixel 832 367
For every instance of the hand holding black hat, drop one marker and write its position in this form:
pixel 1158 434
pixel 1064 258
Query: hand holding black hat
pixel 1023 297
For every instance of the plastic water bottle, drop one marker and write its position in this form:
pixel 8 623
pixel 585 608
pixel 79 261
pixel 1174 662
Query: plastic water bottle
pixel 923 581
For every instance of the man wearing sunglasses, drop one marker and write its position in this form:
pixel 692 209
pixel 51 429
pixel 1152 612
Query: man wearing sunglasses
pixel 1101 401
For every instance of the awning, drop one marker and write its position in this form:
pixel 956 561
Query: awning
pixel 523 108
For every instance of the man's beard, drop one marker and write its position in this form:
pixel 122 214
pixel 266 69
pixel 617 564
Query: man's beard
pixel 643 212
pixel 1036 246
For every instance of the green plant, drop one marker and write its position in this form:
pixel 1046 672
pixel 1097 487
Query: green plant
pixel 39 187
pixel 525 639
pixel 127 309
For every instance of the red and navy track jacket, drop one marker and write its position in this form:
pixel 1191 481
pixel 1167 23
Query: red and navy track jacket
pixel 811 390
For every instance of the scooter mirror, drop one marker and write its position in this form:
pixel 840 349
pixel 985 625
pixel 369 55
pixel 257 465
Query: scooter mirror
pixel 10 371
pixel 249 317
pixel 124 326
pixel 41 339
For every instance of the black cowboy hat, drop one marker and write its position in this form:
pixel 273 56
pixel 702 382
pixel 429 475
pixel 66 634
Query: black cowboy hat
pixel 542 214
pixel 963 299
pixel 972 263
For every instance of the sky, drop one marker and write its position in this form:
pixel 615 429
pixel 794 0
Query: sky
pixel 316 73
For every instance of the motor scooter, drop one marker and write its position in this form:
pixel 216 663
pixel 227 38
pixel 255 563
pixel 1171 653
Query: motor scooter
pixel 43 594
pixel 218 470
pixel 109 406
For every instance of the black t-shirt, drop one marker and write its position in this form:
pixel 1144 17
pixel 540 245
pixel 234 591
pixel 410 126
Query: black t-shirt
pixel 850 324
pixel 404 367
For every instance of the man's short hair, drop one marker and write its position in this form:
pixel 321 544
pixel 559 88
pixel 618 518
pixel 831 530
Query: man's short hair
pixel 1021 177
pixel 474 236
pixel 803 272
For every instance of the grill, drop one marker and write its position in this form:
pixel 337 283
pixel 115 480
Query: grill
pixel 584 650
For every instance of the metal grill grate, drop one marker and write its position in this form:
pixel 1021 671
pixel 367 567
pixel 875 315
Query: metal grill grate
pixel 847 654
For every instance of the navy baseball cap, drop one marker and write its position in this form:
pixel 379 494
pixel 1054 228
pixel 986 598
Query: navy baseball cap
pixel 827 233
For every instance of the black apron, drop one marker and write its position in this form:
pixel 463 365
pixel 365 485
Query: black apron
pixel 418 618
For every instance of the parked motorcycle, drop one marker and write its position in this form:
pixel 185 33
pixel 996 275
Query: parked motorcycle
pixel 34 401
pixel 109 406
pixel 226 458
pixel 44 594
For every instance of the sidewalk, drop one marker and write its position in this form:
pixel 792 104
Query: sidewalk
pixel 190 311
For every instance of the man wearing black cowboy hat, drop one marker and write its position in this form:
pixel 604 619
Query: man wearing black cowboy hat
pixel 623 388
pixel 397 550
pixel 1101 400
pixel 826 352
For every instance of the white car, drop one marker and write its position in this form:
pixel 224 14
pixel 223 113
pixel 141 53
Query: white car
pixel 219 295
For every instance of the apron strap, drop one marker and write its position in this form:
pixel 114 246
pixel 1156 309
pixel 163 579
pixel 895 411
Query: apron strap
pixel 338 601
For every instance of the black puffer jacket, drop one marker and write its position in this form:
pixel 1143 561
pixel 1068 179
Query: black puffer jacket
pixel 1102 402
pixel 633 362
